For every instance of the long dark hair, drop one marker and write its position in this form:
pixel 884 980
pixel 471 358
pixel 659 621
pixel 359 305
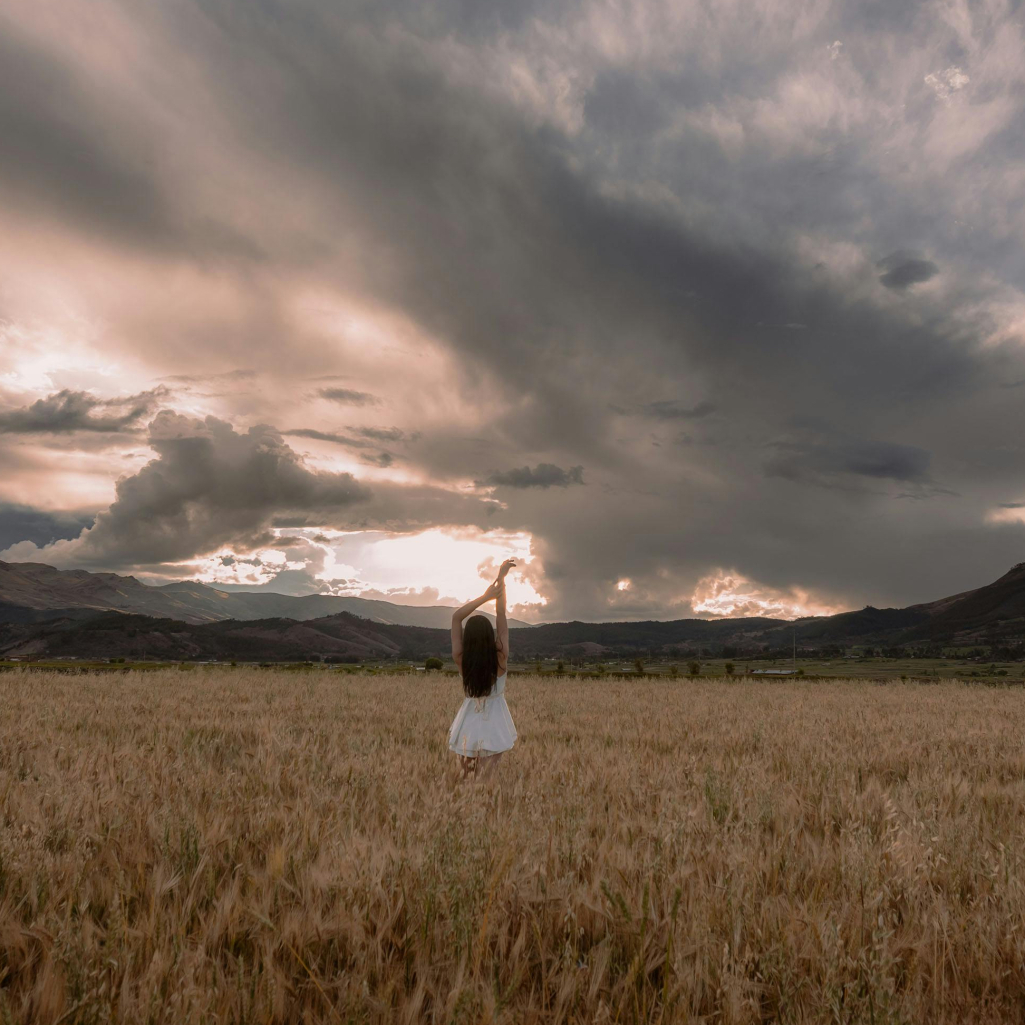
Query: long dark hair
pixel 480 657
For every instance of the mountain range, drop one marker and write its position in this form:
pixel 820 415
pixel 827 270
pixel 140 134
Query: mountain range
pixel 31 592
pixel 44 611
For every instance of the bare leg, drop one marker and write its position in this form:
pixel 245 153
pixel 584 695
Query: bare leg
pixel 490 765
pixel 469 766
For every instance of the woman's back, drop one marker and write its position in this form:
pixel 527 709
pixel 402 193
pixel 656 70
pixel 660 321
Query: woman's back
pixel 483 726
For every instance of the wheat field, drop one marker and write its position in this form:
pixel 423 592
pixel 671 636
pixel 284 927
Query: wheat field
pixel 253 846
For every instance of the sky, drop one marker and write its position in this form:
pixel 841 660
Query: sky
pixel 694 308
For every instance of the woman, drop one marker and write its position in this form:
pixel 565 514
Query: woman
pixel 483 728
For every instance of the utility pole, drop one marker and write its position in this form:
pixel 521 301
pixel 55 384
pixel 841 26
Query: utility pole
pixel 795 650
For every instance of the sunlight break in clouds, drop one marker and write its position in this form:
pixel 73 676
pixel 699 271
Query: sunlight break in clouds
pixel 458 563
pixel 657 287
pixel 1009 512
pixel 432 567
pixel 727 594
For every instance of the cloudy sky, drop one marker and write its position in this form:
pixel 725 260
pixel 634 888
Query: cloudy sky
pixel 697 308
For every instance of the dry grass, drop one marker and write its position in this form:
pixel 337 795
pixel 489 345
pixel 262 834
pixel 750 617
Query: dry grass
pixel 246 846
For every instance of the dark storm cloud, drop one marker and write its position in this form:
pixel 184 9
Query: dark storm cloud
pixel 209 486
pixel 68 411
pixel 666 409
pixel 212 486
pixel 544 475
pixel 625 105
pixel 382 433
pixel 348 397
pixel 229 376
pixel 72 152
pixel 416 165
pixel 331 436
pixel 883 460
pixel 693 209
pixel 23 523
pixel 365 437
pixel 902 271
pixel 673 409
pixel 400 508
pixel 581 274
pixel 60 151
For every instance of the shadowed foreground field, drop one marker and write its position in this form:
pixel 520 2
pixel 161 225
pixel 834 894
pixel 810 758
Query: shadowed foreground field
pixel 246 846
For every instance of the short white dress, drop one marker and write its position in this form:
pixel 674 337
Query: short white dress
pixel 483 726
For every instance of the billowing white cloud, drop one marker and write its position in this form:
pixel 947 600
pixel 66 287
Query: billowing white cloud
pixel 728 594
pixel 946 82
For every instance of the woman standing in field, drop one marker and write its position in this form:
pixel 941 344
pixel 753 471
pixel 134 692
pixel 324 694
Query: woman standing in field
pixel 483 728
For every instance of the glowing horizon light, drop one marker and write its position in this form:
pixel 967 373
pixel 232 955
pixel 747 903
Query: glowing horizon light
pixel 728 594
pixel 1010 513
pixel 432 567
pixel 29 366
pixel 458 564
pixel 257 568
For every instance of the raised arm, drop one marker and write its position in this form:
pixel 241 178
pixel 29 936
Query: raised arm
pixel 460 614
pixel 501 623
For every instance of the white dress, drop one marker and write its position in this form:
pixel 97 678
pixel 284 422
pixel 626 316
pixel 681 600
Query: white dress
pixel 483 726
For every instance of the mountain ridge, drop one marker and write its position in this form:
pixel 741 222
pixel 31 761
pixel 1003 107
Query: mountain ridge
pixel 993 614
pixel 343 636
pixel 39 587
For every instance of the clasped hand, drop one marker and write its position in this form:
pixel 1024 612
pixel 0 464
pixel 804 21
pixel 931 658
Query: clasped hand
pixel 497 587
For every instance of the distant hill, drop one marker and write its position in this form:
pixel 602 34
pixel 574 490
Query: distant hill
pixel 995 612
pixel 115 634
pixel 33 592
pixel 992 614
pixel 84 625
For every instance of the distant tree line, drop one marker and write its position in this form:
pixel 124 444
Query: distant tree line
pixel 1008 652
